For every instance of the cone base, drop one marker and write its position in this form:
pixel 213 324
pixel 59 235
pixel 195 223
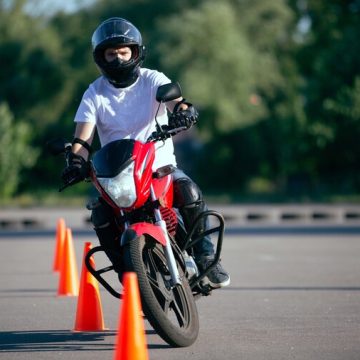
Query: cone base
pixel 92 331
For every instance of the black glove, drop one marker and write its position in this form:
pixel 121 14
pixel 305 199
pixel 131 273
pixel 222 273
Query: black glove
pixel 184 118
pixel 76 170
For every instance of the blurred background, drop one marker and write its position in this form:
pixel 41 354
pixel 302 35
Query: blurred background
pixel 277 84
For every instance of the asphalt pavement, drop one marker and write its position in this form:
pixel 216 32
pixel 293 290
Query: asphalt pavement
pixel 293 295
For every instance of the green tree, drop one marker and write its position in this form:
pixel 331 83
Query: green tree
pixel 277 99
pixel 33 68
pixel 330 65
pixel 16 151
pixel 234 60
pixel 216 64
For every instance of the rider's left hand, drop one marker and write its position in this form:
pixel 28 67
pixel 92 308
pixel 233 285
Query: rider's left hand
pixel 184 118
pixel 76 170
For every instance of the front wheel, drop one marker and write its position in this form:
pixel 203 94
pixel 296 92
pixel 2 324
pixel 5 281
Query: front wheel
pixel 170 310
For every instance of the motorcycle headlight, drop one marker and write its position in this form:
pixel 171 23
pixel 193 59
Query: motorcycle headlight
pixel 121 188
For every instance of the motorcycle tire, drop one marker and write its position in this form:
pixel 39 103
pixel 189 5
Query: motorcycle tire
pixel 170 311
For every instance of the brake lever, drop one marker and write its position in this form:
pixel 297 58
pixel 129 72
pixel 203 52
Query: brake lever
pixel 177 130
pixel 61 188
pixel 73 181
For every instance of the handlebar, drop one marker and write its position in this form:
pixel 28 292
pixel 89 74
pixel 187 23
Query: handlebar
pixel 60 146
pixel 164 132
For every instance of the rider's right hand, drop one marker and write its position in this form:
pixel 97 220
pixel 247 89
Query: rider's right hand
pixel 76 170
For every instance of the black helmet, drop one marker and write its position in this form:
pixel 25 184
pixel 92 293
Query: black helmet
pixel 112 32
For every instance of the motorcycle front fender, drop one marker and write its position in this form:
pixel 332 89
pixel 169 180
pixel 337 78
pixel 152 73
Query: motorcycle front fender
pixel 143 228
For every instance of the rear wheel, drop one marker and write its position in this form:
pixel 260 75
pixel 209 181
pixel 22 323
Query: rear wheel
pixel 170 310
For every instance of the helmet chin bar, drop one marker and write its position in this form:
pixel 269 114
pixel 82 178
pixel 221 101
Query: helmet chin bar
pixel 125 79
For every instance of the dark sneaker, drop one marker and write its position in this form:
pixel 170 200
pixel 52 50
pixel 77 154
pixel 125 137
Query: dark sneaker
pixel 217 277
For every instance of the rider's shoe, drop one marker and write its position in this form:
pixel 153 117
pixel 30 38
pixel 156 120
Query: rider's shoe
pixel 217 277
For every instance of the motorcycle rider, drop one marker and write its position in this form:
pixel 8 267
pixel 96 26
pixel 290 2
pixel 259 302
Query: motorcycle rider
pixel 121 104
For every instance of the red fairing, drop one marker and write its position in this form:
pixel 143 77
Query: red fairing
pixel 163 188
pixel 144 158
pixel 154 231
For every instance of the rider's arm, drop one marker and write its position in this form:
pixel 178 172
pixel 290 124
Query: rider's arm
pixel 84 131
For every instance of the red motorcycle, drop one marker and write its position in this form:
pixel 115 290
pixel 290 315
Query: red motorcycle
pixel 154 244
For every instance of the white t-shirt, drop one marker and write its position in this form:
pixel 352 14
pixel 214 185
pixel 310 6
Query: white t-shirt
pixel 127 113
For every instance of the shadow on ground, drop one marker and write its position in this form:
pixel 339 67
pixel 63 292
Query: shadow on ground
pixel 61 340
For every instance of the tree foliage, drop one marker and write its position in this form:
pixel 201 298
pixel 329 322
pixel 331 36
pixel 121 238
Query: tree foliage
pixel 215 63
pixel 329 63
pixel 16 152
pixel 33 77
pixel 278 100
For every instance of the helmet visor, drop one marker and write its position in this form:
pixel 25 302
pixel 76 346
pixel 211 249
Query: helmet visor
pixel 115 31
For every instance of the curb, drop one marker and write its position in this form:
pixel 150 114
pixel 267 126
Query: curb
pixel 235 215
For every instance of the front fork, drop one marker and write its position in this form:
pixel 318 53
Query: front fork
pixel 169 254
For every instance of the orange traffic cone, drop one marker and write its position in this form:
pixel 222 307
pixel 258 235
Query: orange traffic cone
pixel 60 237
pixel 69 280
pixel 89 316
pixel 131 341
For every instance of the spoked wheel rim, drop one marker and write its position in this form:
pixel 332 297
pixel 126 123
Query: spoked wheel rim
pixel 170 310
pixel 172 300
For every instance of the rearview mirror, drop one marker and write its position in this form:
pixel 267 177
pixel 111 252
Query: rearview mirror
pixel 168 92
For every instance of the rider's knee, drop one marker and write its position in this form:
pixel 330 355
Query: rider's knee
pixel 186 193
